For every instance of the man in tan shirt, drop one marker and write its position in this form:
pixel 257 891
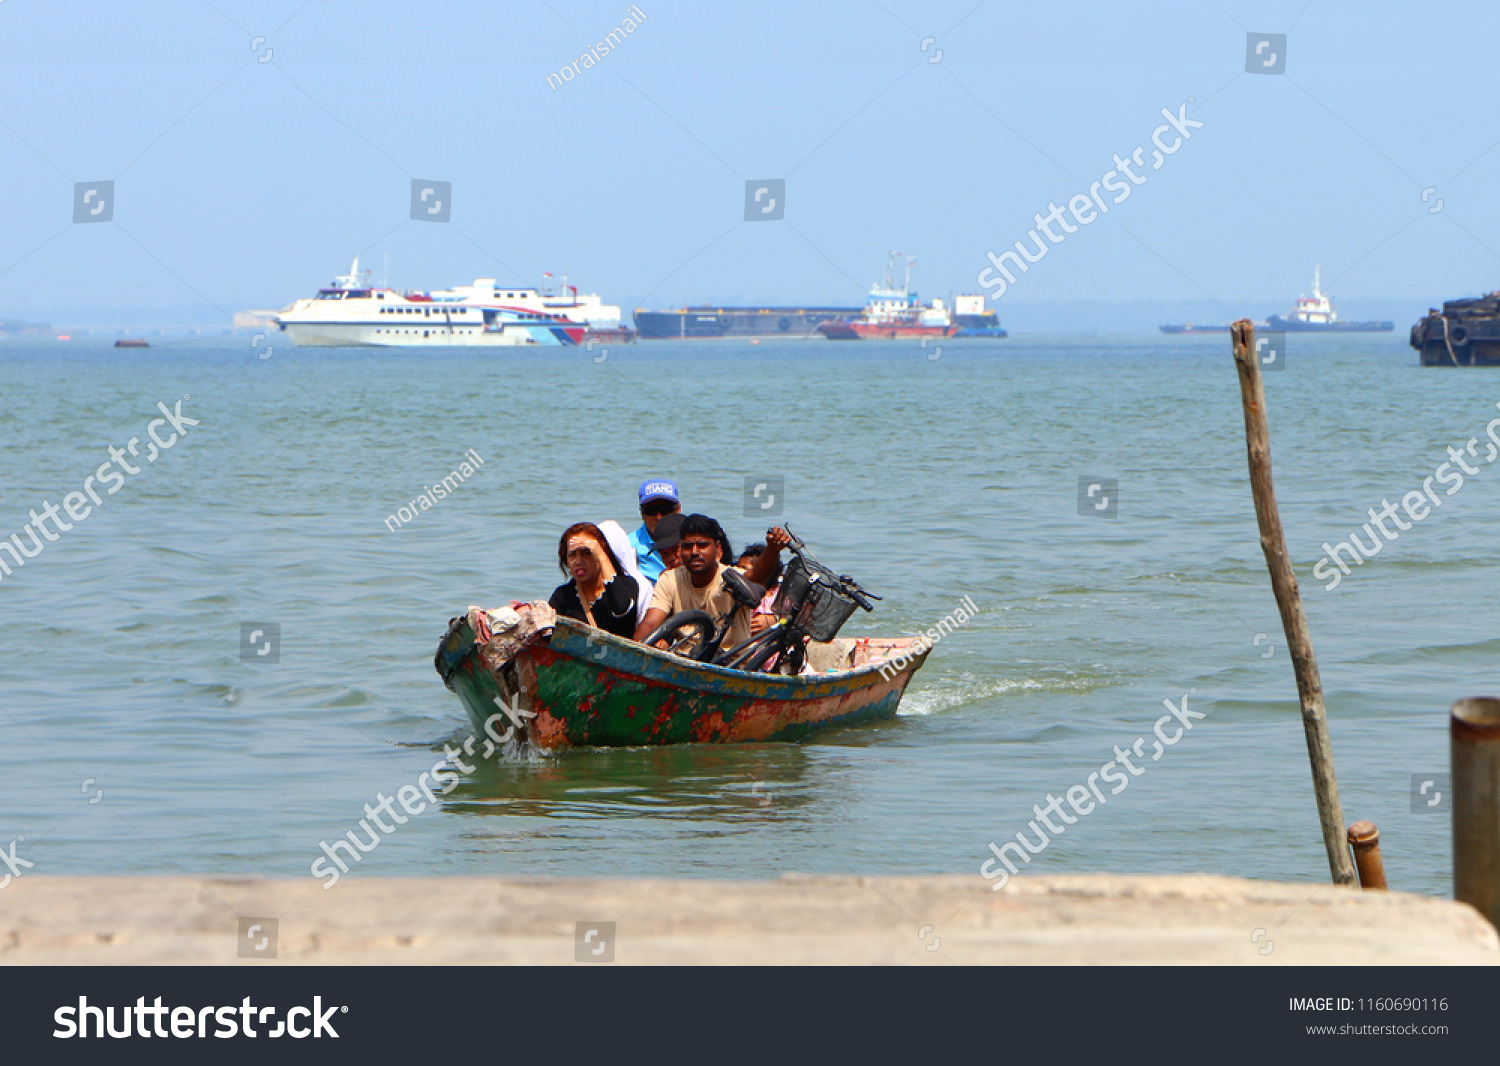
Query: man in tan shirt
pixel 697 583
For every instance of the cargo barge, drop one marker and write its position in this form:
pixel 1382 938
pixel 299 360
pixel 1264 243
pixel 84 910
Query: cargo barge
pixel 698 323
pixel 973 320
pixel 1463 333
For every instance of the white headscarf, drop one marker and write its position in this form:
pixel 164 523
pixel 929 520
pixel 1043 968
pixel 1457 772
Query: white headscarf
pixel 620 544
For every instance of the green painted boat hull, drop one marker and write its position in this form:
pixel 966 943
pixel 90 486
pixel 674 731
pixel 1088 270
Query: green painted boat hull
pixel 578 686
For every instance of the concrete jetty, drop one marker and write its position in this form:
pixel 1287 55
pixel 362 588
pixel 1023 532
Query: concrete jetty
pixel 1064 920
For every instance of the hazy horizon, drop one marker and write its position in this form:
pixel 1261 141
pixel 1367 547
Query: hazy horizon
pixel 1053 316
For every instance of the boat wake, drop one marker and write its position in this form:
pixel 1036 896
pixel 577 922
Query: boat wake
pixel 965 688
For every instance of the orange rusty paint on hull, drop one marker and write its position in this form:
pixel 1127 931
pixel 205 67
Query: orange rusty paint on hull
pixel 587 688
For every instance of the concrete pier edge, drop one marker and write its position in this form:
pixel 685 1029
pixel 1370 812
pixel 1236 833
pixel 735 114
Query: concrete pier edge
pixel 822 920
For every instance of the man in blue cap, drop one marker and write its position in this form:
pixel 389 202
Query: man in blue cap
pixel 658 498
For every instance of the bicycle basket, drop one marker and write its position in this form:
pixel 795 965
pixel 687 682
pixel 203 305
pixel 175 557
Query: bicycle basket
pixel 811 603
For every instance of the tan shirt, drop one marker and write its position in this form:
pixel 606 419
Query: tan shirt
pixel 675 592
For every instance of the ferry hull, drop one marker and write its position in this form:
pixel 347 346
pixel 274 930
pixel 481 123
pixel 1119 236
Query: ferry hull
pixel 344 335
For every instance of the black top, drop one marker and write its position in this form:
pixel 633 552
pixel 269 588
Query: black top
pixel 614 610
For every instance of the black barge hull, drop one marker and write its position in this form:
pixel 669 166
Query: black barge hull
pixel 1465 333
pixel 700 323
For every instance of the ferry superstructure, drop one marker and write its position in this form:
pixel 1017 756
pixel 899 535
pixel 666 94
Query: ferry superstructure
pixel 353 313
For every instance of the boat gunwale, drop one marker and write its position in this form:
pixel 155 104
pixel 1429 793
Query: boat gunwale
pixel 679 672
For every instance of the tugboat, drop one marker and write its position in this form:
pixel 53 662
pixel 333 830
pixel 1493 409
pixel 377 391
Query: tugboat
pixel 1315 314
pixel 892 313
pixel 1464 333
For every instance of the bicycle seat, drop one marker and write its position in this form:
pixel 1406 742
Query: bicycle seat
pixel 744 592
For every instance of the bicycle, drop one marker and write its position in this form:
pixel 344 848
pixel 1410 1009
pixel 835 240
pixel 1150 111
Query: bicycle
pixel 813 603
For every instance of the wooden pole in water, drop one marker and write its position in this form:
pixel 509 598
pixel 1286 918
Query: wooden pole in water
pixel 1364 838
pixel 1289 601
pixel 1474 728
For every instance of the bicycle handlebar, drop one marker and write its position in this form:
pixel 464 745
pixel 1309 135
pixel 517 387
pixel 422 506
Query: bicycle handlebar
pixel 846 584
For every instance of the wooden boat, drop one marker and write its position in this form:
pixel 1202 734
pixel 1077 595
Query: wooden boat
pixel 569 684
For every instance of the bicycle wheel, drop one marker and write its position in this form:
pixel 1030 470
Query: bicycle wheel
pixel 754 651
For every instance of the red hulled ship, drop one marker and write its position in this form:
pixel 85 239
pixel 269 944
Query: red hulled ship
pixel 892 313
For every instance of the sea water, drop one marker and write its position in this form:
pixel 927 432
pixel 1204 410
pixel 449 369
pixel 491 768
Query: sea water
pixel 144 731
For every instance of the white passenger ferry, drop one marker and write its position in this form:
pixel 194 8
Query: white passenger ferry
pixel 353 313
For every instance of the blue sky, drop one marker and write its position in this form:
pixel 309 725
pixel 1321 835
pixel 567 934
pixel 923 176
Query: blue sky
pixel 244 184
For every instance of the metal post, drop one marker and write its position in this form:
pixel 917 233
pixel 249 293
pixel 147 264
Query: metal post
pixel 1474 728
pixel 1364 838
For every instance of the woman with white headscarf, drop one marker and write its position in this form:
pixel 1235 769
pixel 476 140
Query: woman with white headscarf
pixel 619 543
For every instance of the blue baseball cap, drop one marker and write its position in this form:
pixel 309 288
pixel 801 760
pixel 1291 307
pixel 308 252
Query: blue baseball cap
pixel 658 489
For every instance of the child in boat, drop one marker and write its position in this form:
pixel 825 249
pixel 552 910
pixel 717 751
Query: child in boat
pixel 762 617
